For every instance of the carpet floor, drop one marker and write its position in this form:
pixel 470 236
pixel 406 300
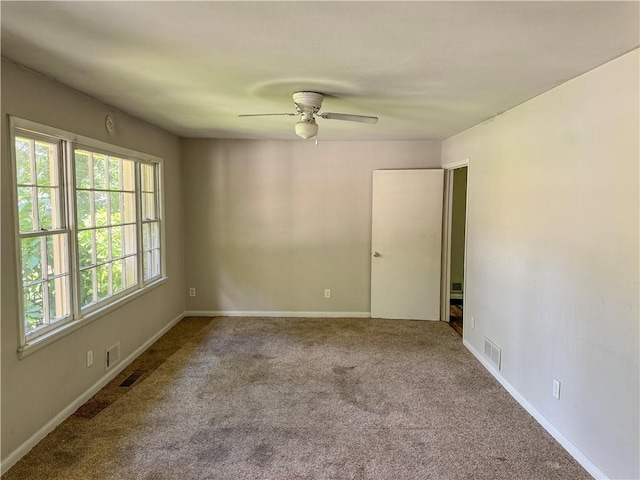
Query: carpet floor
pixel 265 398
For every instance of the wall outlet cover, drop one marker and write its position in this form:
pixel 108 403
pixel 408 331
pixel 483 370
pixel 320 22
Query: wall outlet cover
pixel 556 389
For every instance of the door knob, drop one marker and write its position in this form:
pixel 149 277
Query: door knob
pixel 376 254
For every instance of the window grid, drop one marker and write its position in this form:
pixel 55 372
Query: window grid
pixel 105 203
pixel 42 279
pixel 150 222
pixel 110 190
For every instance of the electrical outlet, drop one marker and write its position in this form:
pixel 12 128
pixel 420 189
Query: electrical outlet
pixel 327 293
pixel 192 292
pixel 89 358
pixel 473 321
pixel 556 389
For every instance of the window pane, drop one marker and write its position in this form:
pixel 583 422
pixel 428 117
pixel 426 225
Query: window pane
pixel 46 163
pixel 82 169
pixel 128 207
pixel 58 301
pixel 155 235
pixel 99 171
pixel 56 254
pixel 128 176
pixel 102 245
pixel 100 208
pixel 48 208
pixel 130 267
pixel 129 241
pixel 147 182
pixel 103 281
pixel 145 236
pixel 155 262
pixel 33 307
pixel 83 207
pixel 31 250
pixel 85 248
pixel 114 174
pixel 149 206
pixel 25 209
pixel 151 264
pixel 146 260
pixel 86 286
pixel 23 162
pixel 150 236
pixel 117 277
pixel 116 242
pixel 116 214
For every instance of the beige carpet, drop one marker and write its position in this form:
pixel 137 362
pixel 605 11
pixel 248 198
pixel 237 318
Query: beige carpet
pixel 258 398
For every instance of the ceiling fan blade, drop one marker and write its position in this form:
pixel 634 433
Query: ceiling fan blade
pixel 348 117
pixel 269 114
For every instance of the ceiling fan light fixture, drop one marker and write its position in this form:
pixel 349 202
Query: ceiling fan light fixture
pixel 307 128
pixel 307 105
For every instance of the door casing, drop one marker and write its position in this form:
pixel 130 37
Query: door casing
pixel 446 235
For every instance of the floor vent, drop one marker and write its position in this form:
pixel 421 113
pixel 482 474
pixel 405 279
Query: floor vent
pixel 132 378
pixel 492 352
pixel 113 355
pixel 91 409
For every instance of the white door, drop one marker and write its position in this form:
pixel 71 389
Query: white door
pixel 406 241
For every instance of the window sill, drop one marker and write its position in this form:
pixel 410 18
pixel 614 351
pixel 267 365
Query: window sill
pixel 38 343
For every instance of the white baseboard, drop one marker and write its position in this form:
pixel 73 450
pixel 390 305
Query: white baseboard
pixel 31 442
pixel 234 313
pixel 568 445
pixel 23 449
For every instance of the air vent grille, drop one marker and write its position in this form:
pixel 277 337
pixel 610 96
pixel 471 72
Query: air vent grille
pixel 113 355
pixel 492 352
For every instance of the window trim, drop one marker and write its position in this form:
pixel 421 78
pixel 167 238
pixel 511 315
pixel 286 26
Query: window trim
pixel 68 141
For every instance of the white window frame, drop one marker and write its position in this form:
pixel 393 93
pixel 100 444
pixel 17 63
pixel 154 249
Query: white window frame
pixel 68 141
pixel 63 229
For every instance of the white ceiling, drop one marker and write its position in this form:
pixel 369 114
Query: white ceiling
pixel 427 69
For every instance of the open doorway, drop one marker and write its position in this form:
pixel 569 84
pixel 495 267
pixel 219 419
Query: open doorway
pixel 455 220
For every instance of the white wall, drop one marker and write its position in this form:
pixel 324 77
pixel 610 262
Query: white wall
pixel 552 259
pixel 38 387
pixel 271 224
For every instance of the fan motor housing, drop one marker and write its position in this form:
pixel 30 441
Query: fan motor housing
pixel 308 101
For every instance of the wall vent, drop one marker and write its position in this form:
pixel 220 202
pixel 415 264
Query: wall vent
pixel 492 352
pixel 113 355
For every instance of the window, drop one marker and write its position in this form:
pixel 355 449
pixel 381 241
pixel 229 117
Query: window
pixel 106 226
pixel 150 221
pixel 89 227
pixel 43 234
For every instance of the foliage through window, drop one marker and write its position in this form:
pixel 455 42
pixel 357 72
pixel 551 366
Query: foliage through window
pixel 89 228
pixel 106 225
pixel 43 234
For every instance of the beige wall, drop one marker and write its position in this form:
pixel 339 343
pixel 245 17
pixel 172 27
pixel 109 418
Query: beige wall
pixel 38 387
pixel 552 255
pixel 271 224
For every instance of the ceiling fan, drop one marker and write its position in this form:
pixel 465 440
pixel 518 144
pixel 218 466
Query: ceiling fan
pixel 308 104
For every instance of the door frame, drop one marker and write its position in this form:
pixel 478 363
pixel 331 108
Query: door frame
pixel 445 297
